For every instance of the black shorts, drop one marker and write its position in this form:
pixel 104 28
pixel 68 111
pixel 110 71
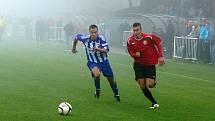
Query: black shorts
pixel 144 71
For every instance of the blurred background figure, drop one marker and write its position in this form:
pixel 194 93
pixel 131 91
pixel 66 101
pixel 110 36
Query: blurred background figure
pixel 69 30
pixel 59 25
pixel 123 27
pixel 2 26
pixel 169 38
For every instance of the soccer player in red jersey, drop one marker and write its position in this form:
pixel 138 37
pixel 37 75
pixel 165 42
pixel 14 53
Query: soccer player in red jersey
pixel 146 51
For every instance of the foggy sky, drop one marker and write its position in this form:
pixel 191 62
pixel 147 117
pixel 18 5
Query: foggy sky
pixel 49 7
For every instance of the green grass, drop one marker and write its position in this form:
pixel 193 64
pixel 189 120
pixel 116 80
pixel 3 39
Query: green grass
pixel 35 79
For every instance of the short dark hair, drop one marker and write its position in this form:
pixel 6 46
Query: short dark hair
pixel 136 24
pixel 93 26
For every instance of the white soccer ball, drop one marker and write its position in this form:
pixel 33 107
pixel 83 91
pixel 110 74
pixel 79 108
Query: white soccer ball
pixel 64 108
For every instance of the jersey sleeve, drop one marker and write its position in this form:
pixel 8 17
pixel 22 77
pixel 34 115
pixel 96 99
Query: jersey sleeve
pixel 104 43
pixel 81 37
pixel 130 48
pixel 158 45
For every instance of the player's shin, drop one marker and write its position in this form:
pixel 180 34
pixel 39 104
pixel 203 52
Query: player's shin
pixel 113 85
pixel 97 83
pixel 148 94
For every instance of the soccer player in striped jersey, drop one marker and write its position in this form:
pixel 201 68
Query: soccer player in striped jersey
pixel 96 49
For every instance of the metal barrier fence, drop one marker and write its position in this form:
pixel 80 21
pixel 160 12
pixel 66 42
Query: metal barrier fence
pixel 21 30
pixel 125 35
pixel 55 33
pixel 185 47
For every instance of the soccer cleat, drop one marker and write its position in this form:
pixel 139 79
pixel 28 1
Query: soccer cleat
pixel 97 94
pixel 154 105
pixel 117 97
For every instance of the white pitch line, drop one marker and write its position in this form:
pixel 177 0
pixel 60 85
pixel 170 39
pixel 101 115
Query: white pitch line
pixel 179 75
pixel 190 77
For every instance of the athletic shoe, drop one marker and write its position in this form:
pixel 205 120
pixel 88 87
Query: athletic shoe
pixel 154 105
pixel 97 94
pixel 117 97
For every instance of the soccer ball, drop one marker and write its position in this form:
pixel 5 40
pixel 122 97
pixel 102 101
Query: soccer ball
pixel 64 108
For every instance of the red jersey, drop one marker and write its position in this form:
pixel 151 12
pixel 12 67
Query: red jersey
pixel 149 47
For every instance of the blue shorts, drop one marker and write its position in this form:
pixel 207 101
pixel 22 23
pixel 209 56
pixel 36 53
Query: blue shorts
pixel 104 67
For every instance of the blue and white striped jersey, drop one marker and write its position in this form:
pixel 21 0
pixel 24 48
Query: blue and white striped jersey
pixel 89 44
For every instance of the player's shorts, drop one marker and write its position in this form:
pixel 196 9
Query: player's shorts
pixel 144 71
pixel 104 67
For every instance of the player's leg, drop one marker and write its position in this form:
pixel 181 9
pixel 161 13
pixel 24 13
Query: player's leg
pixel 114 87
pixel 150 73
pixel 140 77
pixel 150 83
pixel 108 73
pixel 96 76
pixel 146 91
pixel 142 83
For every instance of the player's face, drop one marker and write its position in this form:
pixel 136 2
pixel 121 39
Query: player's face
pixel 137 31
pixel 93 33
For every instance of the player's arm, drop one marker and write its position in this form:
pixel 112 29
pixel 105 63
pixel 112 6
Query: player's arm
pixel 104 48
pixel 131 50
pixel 75 41
pixel 158 44
pixel 78 37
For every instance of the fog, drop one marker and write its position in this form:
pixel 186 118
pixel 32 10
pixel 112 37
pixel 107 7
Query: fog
pixel 38 69
pixel 45 20
pixel 53 7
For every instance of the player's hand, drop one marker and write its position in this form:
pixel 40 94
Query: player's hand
pixel 137 54
pixel 96 49
pixel 74 51
pixel 161 61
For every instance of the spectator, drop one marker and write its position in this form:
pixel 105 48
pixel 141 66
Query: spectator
pixel 188 28
pixel 212 53
pixel 195 30
pixel 68 32
pixel 170 31
pixel 50 23
pixel 59 24
pixel 101 26
pixel 123 27
pixel 203 44
pixel 39 29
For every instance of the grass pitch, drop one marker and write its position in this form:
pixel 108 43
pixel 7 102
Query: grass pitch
pixel 35 78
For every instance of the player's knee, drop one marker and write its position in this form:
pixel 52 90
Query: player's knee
pixel 95 72
pixel 142 83
pixel 151 85
pixel 97 75
pixel 142 86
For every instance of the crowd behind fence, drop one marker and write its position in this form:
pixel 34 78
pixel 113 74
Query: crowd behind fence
pixel 195 41
pixel 193 49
